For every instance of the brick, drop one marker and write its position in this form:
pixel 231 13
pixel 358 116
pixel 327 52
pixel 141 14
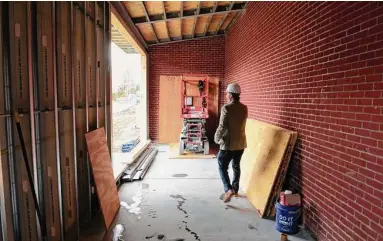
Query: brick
pixel 367 71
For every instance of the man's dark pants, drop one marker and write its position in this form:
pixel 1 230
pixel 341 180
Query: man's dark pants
pixel 224 159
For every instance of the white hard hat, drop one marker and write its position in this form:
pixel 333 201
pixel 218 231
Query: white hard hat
pixel 233 88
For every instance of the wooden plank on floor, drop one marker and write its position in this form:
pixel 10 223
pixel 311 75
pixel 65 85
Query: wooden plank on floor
pixel 48 159
pixel 64 57
pixel 103 174
pixel 67 157
pixel 266 145
pixel 170 122
pixel 45 55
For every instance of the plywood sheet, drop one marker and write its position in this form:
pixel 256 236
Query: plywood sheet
pixel 190 5
pixel 147 31
pixel 187 26
pixel 154 7
pixel 64 57
pixel 277 187
pixel 18 32
pixel 261 160
pixel 135 9
pixel 170 122
pixel 161 30
pixel 82 167
pixel 67 156
pixel 174 28
pixel 49 174
pixel 103 174
pixel 91 62
pixel 201 24
pixel 28 226
pixel 172 6
pixel 79 66
pixel 45 55
pixel 174 153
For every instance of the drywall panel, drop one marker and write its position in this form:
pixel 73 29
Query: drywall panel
pixel 82 167
pixel 64 57
pixel 49 168
pixel 67 157
pixel 91 62
pixel 170 122
pixel 79 70
pixel 18 31
pixel 103 174
pixel 266 145
pixel 26 210
pixel 45 55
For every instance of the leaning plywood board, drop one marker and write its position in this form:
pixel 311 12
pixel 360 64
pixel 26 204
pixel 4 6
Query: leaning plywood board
pixel 277 188
pixel 103 174
pixel 19 54
pixel 170 122
pixel 266 145
pixel 49 174
pixel 64 76
pixel 45 55
pixel 67 156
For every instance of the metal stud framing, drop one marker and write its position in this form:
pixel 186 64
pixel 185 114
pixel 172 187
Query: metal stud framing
pixel 32 84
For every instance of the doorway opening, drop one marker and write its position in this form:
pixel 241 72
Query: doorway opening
pixel 129 95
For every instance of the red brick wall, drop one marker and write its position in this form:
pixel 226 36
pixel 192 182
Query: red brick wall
pixel 205 56
pixel 317 68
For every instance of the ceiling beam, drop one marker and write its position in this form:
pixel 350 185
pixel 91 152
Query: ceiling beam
pixel 210 17
pixel 196 13
pixel 220 23
pixel 231 22
pixel 166 24
pixel 119 10
pixel 192 16
pixel 148 19
pixel 176 41
pixel 231 5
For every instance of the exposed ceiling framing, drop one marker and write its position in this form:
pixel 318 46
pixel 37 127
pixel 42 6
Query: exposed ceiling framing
pixel 160 22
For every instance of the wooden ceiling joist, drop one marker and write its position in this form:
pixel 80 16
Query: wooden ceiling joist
pixel 148 19
pixel 169 21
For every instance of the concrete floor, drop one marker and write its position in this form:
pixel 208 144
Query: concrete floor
pixel 180 200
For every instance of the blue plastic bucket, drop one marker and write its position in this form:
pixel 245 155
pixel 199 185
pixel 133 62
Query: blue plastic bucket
pixel 286 218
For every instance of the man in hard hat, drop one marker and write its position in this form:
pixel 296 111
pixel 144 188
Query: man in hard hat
pixel 231 137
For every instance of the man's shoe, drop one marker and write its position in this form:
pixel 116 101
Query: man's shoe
pixel 227 196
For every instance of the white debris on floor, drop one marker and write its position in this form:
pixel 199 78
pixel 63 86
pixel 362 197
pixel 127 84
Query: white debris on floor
pixel 117 232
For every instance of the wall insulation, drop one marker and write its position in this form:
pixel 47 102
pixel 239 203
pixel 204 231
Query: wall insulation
pixel 55 72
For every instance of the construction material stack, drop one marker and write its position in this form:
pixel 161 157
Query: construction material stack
pixel 194 111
